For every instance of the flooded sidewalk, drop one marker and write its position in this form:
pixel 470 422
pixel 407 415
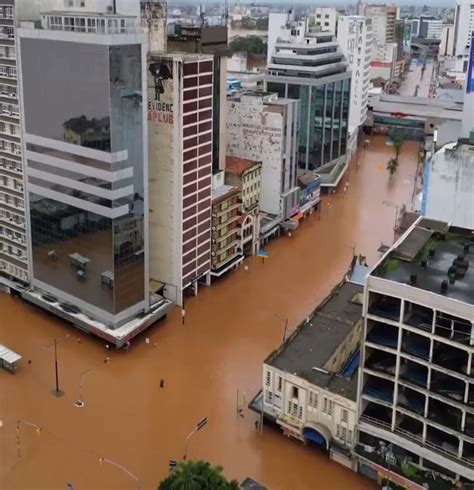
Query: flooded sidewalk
pixel 212 366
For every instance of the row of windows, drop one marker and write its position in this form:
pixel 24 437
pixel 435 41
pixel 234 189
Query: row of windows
pixel 12 201
pixel 13 251
pixel 9 110
pixel 7 52
pixel 11 183
pixel 13 270
pixel 8 71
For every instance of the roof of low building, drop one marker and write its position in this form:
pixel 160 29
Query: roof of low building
pixel 309 348
pixel 223 192
pixel 237 165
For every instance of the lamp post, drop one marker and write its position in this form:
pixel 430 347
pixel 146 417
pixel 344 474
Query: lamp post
pixel 202 423
pixel 19 423
pixel 120 467
pixel 57 391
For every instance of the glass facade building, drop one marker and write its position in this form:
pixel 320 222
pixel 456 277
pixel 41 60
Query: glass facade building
pixel 310 67
pixel 324 115
pixel 86 153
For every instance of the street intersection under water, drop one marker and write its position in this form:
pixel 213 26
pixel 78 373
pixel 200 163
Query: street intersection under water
pixel 211 366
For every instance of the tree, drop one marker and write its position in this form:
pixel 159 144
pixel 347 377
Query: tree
pixel 249 45
pixel 197 475
pixel 392 166
pixel 398 145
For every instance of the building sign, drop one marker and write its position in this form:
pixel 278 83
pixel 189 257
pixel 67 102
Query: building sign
pixel 160 92
pixel 470 73
pixel 355 58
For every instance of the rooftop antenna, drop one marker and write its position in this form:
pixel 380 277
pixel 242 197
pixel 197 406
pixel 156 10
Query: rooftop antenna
pixel 226 13
pixel 201 15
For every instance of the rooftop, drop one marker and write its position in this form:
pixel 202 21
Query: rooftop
pixel 237 165
pixel 223 192
pixel 449 185
pixel 432 252
pixel 309 348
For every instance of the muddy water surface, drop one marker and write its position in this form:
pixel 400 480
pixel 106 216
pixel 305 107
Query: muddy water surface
pixel 230 329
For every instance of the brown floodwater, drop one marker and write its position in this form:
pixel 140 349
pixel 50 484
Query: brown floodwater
pixel 230 328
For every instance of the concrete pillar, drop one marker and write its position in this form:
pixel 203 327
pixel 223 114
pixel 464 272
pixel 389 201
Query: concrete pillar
pixel 208 279
pixel 195 288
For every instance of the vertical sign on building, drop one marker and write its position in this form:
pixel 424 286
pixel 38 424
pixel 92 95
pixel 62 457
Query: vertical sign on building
pixel 470 74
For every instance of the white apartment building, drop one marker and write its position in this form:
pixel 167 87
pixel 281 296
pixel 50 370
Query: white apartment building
pixel 416 378
pixel 383 22
pixel 278 29
pixel 354 34
pixel 263 127
pixel 324 19
pixel 463 27
pixel 310 381
pixel 13 239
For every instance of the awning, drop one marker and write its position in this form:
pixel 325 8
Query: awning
pixel 298 217
pixel 317 433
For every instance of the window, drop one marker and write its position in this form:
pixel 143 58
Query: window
pixel 349 437
pixel 343 433
pixel 268 397
pixel 328 406
pixel 295 410
pixel 313 399
pixel 344 415
pixel 268 378
pixel 300 412
pixel 280 383
pixel 294 392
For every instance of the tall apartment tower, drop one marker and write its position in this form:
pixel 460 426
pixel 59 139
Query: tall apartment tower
pixel 354 33
pixel 13 242
pixel 383 22
pixel 463 27
pixel 180 124
pixel 85 144
pixel 416 385
pixel 208 40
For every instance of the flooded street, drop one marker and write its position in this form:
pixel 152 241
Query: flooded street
pixel 211 365
pixel 416 78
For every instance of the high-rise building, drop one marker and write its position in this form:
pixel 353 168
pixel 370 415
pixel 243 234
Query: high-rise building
pixel 463 27
pixel 85 145
pixel 209 40
pixel 416 386
pixel 311 67
pixel 430 28
pixel 180 123
pixel 324 19
pixel 354 34
pixel 13 240
pixel 383 22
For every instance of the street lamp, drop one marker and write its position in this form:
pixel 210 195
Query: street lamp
pixel 284 319
pixel 58 392
pixel 202 423
pixel 19 423
pixel 120 467
pixel 391 204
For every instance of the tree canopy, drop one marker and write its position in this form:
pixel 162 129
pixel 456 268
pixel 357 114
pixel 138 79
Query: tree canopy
pixel 249 45
pixel 197 475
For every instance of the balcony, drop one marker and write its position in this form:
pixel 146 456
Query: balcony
pixel 411 400
pixel 384 306
pixel 378 389
pixel 416 345
pixel 382 334
pixel 447 386
pixel 418 316
pixel 219 212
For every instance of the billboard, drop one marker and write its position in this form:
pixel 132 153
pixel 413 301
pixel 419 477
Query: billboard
pixel 470 74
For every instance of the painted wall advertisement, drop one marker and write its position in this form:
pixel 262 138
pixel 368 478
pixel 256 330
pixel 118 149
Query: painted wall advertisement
pixel 160 92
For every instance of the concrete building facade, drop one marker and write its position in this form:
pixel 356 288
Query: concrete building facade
pixel 153 18
pixel 416 377
pixel 262 126
pixel 180 124
pixel 430 28
pixel 226 251
pixel 310 381
pixel 354 34
pixel 324 19
pixel 246 175
pixel 383 22
pixel 13 234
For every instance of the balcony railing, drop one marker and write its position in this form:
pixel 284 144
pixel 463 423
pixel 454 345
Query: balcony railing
pixel 417 439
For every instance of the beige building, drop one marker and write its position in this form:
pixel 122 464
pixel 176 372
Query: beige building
pixel 246 175
pixel 310 381
pixel 225 240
